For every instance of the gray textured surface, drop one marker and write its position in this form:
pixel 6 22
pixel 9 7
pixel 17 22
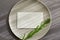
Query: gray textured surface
pixel 53 5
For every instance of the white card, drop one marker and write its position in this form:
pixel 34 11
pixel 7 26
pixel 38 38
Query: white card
pixel 29 19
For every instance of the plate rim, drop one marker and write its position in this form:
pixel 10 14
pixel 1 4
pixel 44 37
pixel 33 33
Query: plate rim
pixel 42 4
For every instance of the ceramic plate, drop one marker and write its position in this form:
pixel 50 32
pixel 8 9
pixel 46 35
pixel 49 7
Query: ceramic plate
pixel 27 13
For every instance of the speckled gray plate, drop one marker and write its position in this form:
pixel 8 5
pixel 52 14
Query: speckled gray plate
pixel 28 6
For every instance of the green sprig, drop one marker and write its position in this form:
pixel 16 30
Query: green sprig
pixel 37 29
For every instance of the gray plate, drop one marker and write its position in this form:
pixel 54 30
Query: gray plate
pixel 28 6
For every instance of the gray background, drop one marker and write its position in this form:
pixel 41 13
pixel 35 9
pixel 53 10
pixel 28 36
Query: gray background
pixel 5 32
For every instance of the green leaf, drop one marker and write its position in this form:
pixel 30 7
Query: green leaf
pixel 37 29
